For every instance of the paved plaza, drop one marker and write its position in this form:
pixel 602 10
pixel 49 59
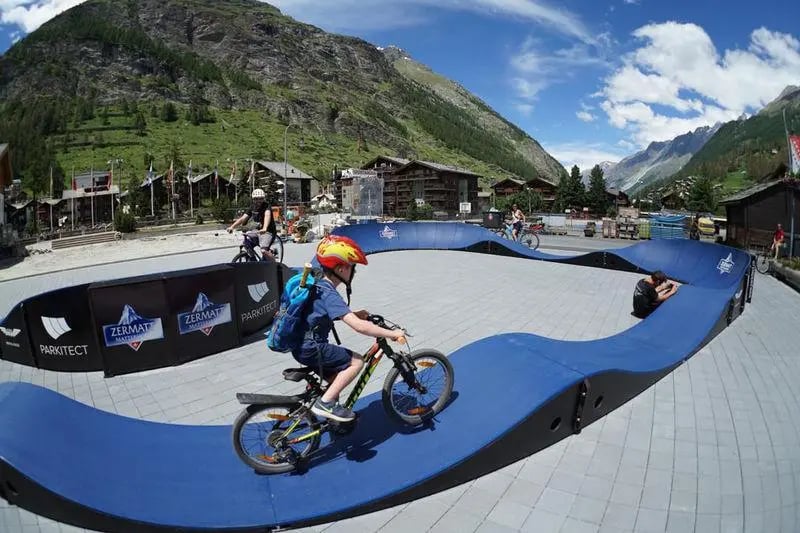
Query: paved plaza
pixel 712 447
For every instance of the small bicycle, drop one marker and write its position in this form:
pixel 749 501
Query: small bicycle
pixel 276 434
pixel 250 250
pixel 527 236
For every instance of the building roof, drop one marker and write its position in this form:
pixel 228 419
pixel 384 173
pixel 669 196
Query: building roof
pixel 289 171
pixel 196 178
pixel 440 167
pixel 540 178
pixel 759 188
pixel 513 180
pixel 396 160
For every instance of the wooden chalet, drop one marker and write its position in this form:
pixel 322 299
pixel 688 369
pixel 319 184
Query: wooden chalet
pixel 754 213
pixel 440 186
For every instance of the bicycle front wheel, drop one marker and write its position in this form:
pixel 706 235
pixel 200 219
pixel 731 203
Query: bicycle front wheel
pixel 242 257
pixel 261 442
pixel 531 240
pixel 416 398
pixel 762 263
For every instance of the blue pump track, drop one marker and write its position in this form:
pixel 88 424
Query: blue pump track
pixel 76 464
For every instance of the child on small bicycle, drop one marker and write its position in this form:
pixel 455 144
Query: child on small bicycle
pixel 338 256
pixel 517 219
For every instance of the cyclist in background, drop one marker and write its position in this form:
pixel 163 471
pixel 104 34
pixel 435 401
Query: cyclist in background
pixel 517 218
pixel 260 215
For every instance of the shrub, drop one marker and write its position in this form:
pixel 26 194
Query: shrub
pixel 199 219
pixel 124 222
pixel 221 210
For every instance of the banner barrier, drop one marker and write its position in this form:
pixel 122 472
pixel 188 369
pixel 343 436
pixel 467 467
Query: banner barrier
pixel 146 322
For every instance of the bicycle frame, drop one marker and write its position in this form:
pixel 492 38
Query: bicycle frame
pixel 371 360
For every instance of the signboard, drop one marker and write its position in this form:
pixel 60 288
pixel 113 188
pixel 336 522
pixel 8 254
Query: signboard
pixel 132 324
pixel 350 173
pixel 201 312
pixel 257 295
pixel 465 207
pixel 62 330
pixel 14 344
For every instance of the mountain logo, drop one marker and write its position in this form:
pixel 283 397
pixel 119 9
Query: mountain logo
pixel 726 264
pixel 132 330
pixel 257 292
pixel 10 332
pixel 55 327
pixel 387 233
pixel 204 316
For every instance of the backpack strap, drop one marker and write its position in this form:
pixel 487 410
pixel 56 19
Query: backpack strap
pixel 335 335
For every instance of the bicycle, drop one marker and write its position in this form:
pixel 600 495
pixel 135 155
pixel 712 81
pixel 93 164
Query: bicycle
pixel 764 258
pixel 250 243
pixel 414 391
pixel 528 235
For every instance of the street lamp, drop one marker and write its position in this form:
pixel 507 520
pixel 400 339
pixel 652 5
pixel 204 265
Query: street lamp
pixel 285 174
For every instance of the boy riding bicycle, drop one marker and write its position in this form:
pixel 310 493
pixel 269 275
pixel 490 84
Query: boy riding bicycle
pixel 337 255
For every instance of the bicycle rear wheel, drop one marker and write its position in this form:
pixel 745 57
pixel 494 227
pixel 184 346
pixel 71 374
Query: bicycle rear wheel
pixel 762 263
pixel 419 401
pixel 259 442
pixel 276 248
pixel 531 240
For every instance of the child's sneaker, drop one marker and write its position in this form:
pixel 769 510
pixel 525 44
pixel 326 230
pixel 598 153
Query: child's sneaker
pixel 332 410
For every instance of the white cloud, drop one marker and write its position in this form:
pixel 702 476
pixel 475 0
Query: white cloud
pixel 535 69
pixel 524 109
pixel 585 116
pixel 631 1
pixel 30 14
pixel 344 15
pixel 679 68
pixel 585 155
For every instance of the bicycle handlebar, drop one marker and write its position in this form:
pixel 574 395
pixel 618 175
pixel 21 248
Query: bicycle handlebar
pixel 380 321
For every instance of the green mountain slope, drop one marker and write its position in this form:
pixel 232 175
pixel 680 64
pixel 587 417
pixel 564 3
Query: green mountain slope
pixel 219 81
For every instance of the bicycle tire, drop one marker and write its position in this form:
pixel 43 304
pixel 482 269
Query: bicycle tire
pixel 277 244
pixel 265 467
pixel 762 263
pixel 417 417
pixel 531 240
pixel 241 257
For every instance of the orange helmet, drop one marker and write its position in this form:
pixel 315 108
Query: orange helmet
pixel 336 250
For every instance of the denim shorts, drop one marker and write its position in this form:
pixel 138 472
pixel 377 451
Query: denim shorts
pixel 335 358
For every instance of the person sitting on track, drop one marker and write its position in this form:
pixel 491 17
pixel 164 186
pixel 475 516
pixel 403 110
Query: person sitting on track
pixel 651 292
pixel 338 256
pixel 260 214
pixel 517 219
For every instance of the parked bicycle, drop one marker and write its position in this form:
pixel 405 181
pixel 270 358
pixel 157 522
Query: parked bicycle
pixel 250 250
pixel 529 235
pixel 764 260
pixel 276 434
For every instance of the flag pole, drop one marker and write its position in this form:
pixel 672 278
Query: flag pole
pixel 51 198
pixel 111 190
pixel 150 180
pixel 189 180
pixel 172 186
pixel 72 201
pixel 91 194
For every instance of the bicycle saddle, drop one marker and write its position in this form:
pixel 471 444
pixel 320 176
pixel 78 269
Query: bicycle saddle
pixel 297 374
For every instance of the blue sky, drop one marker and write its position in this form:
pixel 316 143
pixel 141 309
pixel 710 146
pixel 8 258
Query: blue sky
pixel 590 80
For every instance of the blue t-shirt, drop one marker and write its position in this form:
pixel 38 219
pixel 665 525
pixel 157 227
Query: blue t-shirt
pixel 326 307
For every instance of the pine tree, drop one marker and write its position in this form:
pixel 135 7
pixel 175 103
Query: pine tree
pixel 597 198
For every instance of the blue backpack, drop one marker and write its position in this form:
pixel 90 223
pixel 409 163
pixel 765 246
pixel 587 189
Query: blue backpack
pixel 286 332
